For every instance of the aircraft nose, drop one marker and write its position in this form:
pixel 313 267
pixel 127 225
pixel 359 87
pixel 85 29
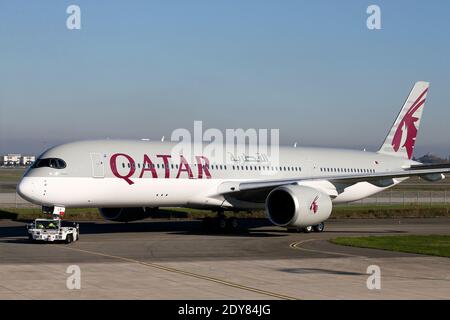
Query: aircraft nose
pixel 25 189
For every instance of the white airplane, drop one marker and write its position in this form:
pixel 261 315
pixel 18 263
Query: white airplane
pixel 126 179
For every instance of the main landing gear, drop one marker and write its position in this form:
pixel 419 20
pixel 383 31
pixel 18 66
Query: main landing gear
pixel 317 228
pixel 221 223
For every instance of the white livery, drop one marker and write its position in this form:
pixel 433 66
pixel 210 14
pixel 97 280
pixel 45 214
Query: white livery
pixel 126 179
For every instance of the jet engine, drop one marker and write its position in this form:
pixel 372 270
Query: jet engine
pixel 433 177
pixel 298 206
pixel 125 214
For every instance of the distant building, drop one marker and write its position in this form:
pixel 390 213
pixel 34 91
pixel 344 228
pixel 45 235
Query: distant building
pixel 15 159
pixel 27 160
pixel 12 159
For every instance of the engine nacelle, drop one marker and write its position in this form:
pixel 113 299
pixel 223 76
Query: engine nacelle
pixel 124 214
pixel 298 206
pixel 433 177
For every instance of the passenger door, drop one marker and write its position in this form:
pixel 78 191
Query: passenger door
pixel 98 169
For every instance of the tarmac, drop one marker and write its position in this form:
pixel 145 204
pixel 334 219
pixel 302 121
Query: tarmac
pixel 161 259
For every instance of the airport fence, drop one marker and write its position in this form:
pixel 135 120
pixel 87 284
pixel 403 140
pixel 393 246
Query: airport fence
pixel 407 197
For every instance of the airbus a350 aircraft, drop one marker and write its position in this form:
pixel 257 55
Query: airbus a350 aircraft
pixel 125 179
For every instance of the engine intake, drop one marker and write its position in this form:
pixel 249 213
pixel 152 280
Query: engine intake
pixel 298 206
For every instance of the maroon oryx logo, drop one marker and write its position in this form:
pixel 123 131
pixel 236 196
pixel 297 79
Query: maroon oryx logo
pixel 314 206
pixel 408 124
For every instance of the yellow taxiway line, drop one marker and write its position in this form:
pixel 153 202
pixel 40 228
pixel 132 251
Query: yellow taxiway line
pixel 298 246
pixel 185 273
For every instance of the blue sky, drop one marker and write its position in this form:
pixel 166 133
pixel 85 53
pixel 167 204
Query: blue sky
pixel 140 69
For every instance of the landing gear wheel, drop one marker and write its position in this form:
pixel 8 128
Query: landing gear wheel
pixel 320 227
pixel 307 229
pixel 222 223
pixel 233 223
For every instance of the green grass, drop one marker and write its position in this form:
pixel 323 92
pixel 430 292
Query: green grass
pixel 434 245
pixel 339 212
pixel 391 211
pixel 11 175
pixel 24 214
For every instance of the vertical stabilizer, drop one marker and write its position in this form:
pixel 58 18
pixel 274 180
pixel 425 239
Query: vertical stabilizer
pixel 401 138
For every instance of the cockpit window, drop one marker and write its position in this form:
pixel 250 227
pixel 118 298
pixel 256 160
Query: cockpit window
pixel 54 163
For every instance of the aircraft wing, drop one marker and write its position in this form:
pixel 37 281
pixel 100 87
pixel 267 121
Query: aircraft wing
pixel 380 178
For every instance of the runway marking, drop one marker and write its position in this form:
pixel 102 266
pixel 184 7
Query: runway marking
pixel 298 246
pixel 185 273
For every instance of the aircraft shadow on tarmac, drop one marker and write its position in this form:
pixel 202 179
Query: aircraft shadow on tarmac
pixel 160 222
pixel 321 271
pixel 188 227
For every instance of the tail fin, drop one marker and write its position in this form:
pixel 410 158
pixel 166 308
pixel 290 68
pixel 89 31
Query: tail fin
pixel 402 136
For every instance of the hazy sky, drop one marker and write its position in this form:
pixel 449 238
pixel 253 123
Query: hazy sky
pixel 140 69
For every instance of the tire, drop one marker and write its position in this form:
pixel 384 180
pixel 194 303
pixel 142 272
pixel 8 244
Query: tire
pixel 30 238
pixel 320 227
pixel 69 238
pixel 222 223
pixel 233 224
pixel 307 229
